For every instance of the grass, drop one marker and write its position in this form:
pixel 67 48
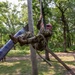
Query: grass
pixel 15 68
pixel 18 53
pixel 23 67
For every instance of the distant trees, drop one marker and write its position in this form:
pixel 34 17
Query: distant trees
pixel 65 9
pixel 60 13
pixel 11 19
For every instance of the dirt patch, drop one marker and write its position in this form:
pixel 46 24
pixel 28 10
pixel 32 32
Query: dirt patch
pixel 28 56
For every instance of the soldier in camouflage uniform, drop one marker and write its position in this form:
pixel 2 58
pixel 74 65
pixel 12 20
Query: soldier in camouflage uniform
pixel 37 41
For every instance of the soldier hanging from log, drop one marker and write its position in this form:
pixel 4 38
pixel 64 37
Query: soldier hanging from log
pixel 36 41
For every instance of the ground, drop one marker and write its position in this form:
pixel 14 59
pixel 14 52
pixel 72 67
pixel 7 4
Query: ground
pixel 44 68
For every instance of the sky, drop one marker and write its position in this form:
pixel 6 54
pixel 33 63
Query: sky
pixel 13 1
pixel 16 2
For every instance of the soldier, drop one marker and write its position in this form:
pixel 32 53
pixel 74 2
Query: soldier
pixel 38 40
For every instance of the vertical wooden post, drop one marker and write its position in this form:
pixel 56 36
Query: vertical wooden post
pixel 44 22
pixel 33 52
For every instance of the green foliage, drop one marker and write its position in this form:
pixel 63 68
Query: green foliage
pixel 13 19
pixel 3 6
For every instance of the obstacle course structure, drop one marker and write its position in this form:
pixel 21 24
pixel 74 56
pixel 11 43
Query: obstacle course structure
pixel 7 47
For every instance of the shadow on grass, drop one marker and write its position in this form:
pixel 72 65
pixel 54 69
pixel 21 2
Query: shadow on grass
pixel 15 68
pixel 23 67
pixel 60 70
pixel 43 68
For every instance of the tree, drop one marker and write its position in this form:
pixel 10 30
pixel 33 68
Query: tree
pixel 65 7
pixel 3 29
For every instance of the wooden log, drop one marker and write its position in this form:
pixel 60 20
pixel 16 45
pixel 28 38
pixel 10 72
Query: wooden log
pixel 59 60
pixel 33 52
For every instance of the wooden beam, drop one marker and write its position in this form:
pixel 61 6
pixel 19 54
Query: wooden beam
pixel 60 61
pixel 33 52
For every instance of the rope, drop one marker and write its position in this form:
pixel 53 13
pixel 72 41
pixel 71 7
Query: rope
pixel 45 43
pixel 44 59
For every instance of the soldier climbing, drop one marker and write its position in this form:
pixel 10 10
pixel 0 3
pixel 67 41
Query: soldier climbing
pixel 37 41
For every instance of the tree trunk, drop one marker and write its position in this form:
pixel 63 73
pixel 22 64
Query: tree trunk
pixel 64 35
pixel 65 26
pixel 68 37
pixel 33 52
pixel 47 55
pixel 64 31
